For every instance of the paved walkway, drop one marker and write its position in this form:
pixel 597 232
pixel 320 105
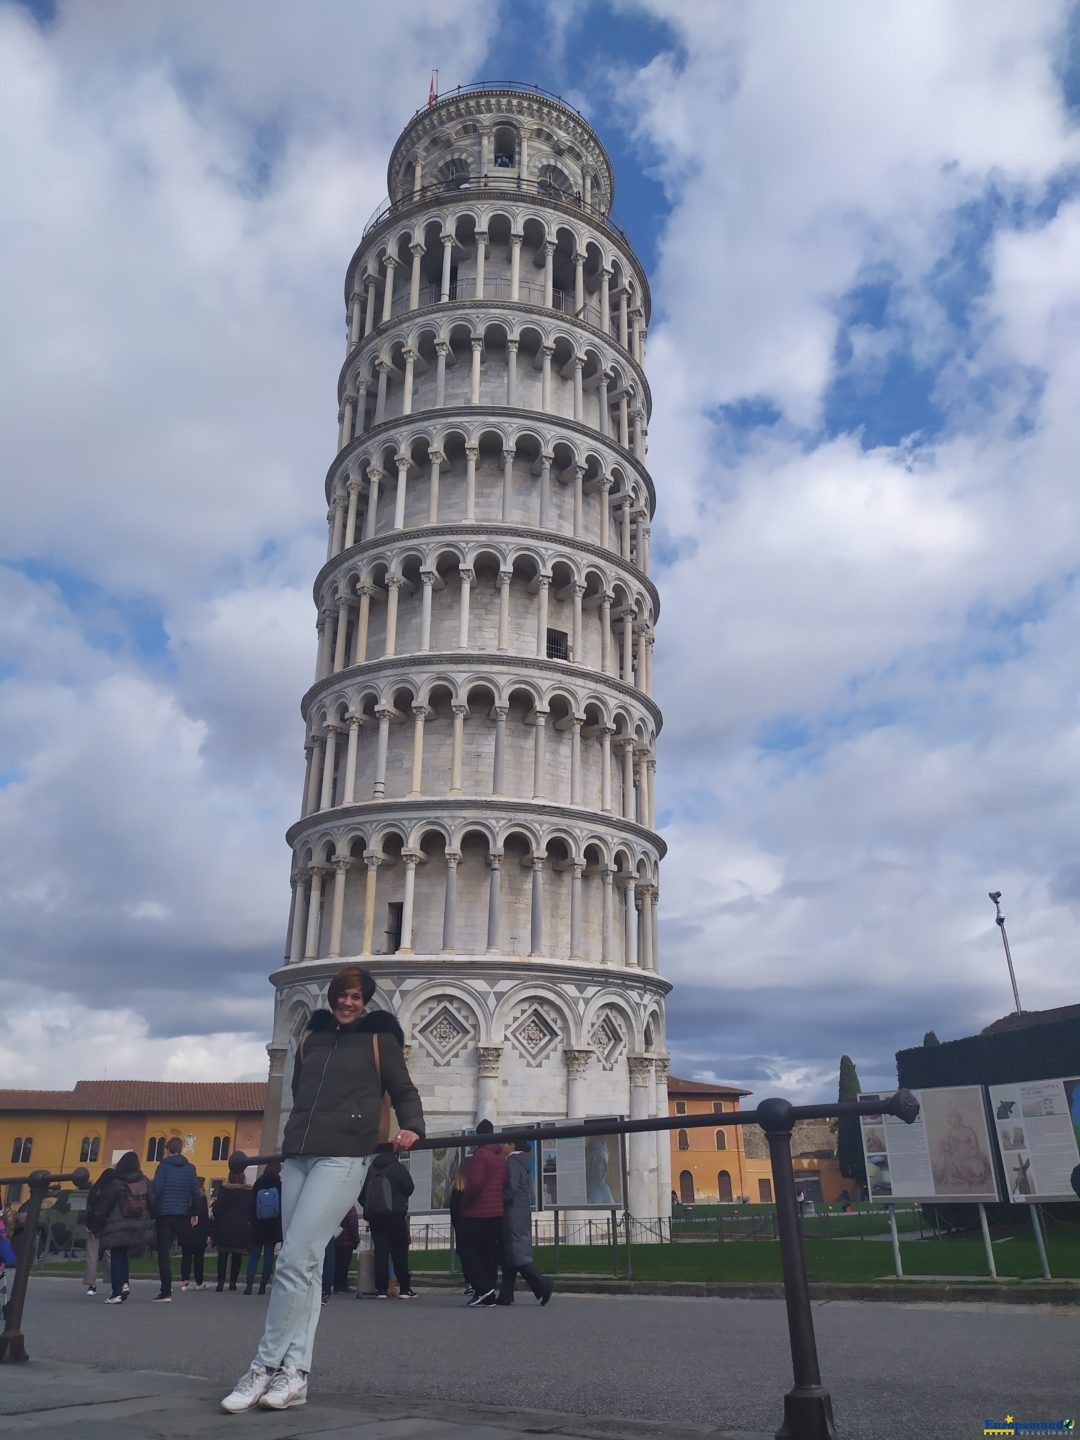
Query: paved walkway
pixel 48 1400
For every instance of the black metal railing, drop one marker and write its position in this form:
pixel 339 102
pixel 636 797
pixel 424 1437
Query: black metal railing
pixel 476 85
pixel 12 1341
pixel 807 1405
pixel 498 183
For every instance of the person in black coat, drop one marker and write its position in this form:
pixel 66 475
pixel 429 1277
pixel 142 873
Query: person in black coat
pixel 384 1200
pixel 266 1233
pixel 232 1227
pixel 193 1239
pixel 124 1221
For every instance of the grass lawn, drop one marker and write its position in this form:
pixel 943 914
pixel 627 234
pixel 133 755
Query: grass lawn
pixel 846 1260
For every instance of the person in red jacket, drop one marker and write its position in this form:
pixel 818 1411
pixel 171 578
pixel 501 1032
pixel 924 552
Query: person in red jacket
pixel 482 1209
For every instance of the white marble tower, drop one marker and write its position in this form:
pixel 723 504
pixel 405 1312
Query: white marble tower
pixel 478 820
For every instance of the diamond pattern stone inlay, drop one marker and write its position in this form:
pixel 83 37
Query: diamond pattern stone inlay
pixel 534 1035
pixel 443 1034
pixel 606 1038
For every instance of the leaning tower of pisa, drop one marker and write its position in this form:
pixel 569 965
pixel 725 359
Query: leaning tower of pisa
pixel 478 816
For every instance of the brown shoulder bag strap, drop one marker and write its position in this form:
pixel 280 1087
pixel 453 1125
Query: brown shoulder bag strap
pixel 384 1099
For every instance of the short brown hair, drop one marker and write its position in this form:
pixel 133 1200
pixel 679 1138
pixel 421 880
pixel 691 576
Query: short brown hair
pixel 174 1145
pixel 352 976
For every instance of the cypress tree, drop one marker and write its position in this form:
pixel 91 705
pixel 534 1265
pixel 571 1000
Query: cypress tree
pixel 849 1151
pixel 930 1038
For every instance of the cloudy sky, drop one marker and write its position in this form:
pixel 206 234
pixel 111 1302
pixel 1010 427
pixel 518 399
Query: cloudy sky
pixel 862 225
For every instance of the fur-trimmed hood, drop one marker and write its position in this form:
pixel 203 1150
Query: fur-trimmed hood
pixel 373 1022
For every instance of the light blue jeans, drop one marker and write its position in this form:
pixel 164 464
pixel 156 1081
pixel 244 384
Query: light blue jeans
pixel 316 1192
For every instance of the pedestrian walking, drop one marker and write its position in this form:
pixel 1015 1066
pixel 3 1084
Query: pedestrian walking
pixel 92 1220
pixel 348 1059
pixel 337 1257
pixel 125 1221
pixel 460 1225
pixel 231 1226
pixel 482 1208
pixel 265 1225
pixel 194 1239
pixel 172 1192
pixel 385 1203
pixel 517 1255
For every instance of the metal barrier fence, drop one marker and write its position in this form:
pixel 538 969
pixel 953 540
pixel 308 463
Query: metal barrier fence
pixel 12 1341
pixel 807 1405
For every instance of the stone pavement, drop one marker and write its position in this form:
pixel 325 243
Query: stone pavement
pixel 50 1400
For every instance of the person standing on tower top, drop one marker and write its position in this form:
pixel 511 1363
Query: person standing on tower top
pixel 348 1060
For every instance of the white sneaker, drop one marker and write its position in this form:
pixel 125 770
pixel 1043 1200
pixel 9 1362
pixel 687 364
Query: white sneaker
pixel 249 1389
pixel 286 1389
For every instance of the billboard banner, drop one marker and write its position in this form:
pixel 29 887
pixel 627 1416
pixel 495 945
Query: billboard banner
pixel 945 1155
pixel 433 1173
pixel 1037 1125
pixel 583 1173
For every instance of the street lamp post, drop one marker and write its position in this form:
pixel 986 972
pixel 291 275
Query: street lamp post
pixel 1033 1209
pixel 995 896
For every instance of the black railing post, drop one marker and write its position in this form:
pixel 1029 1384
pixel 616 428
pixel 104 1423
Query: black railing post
pixel 12 1340
pixel 807 1406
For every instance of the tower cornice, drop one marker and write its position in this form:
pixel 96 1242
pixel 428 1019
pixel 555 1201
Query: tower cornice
pixel 424 807
pixel 467 417
pixel 479 534
pixel 480 660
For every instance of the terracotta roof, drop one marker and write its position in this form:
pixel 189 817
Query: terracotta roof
pixel 676 1086
pixel 229 1097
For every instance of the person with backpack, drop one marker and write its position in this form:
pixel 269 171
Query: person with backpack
pixel 193 1240
pixel 231 1227
pixel 265 1225
pixel 346 1063
pixel 384 1200
pixel 125 1221
pixel 172 1194
pixel 92 1221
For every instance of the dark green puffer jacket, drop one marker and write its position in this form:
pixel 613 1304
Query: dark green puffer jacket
pixel 336 1099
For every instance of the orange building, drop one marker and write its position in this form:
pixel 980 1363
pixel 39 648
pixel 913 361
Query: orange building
pixel 94 1124
pixel 724 1164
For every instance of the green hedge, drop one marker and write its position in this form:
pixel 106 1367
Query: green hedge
pixel 1028 1052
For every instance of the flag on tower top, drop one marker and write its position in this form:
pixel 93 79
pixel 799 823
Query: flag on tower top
pixel 433 88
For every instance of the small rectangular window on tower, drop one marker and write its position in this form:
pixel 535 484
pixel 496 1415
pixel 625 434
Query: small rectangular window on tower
pixel 558 645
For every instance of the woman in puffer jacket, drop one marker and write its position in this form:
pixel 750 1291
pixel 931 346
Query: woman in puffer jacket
pixel 231 1227
pixel 125 1221
pixel 346 1062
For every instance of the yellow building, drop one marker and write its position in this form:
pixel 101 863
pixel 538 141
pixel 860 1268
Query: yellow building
pixel 99 1120
pixel 724 1164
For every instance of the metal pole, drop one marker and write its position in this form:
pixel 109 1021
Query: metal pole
pixel 895 1242
pixel 995 896
pixel 613 1232
pixel 807 1405
pixel 991 1266
pixel 626 1207
pixel 1040 1243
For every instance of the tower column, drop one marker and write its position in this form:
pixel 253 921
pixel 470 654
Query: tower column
pixel 642 1146
pixel 444 287
pixel 472 454
pixel 536 908
pixel 362 624
pixel 299 920
pixel 648 961
pixel 494 928
pixel 540 756
pixel 399 497
pixel 427 582
pixel 459 711
pixel 371 861
pixel 414 279
pixel 608 942
pixel 420 714
pixel 311 948
pixel 337 913
pixel 576 911
pixel 499 761
pixel 449 930
pixel 326 799
pixel 442 350
pixel 437 460
pixel 467 577
pixel 505 576
pixel 353 488
pixel 393 588
pixel 382 745
pixel 388 288
pixel 354 723
pixel 577 1083
pixel 662 1137
pixel 481 254
pixel 374 475
pixel 411 860
pixel 487 1091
